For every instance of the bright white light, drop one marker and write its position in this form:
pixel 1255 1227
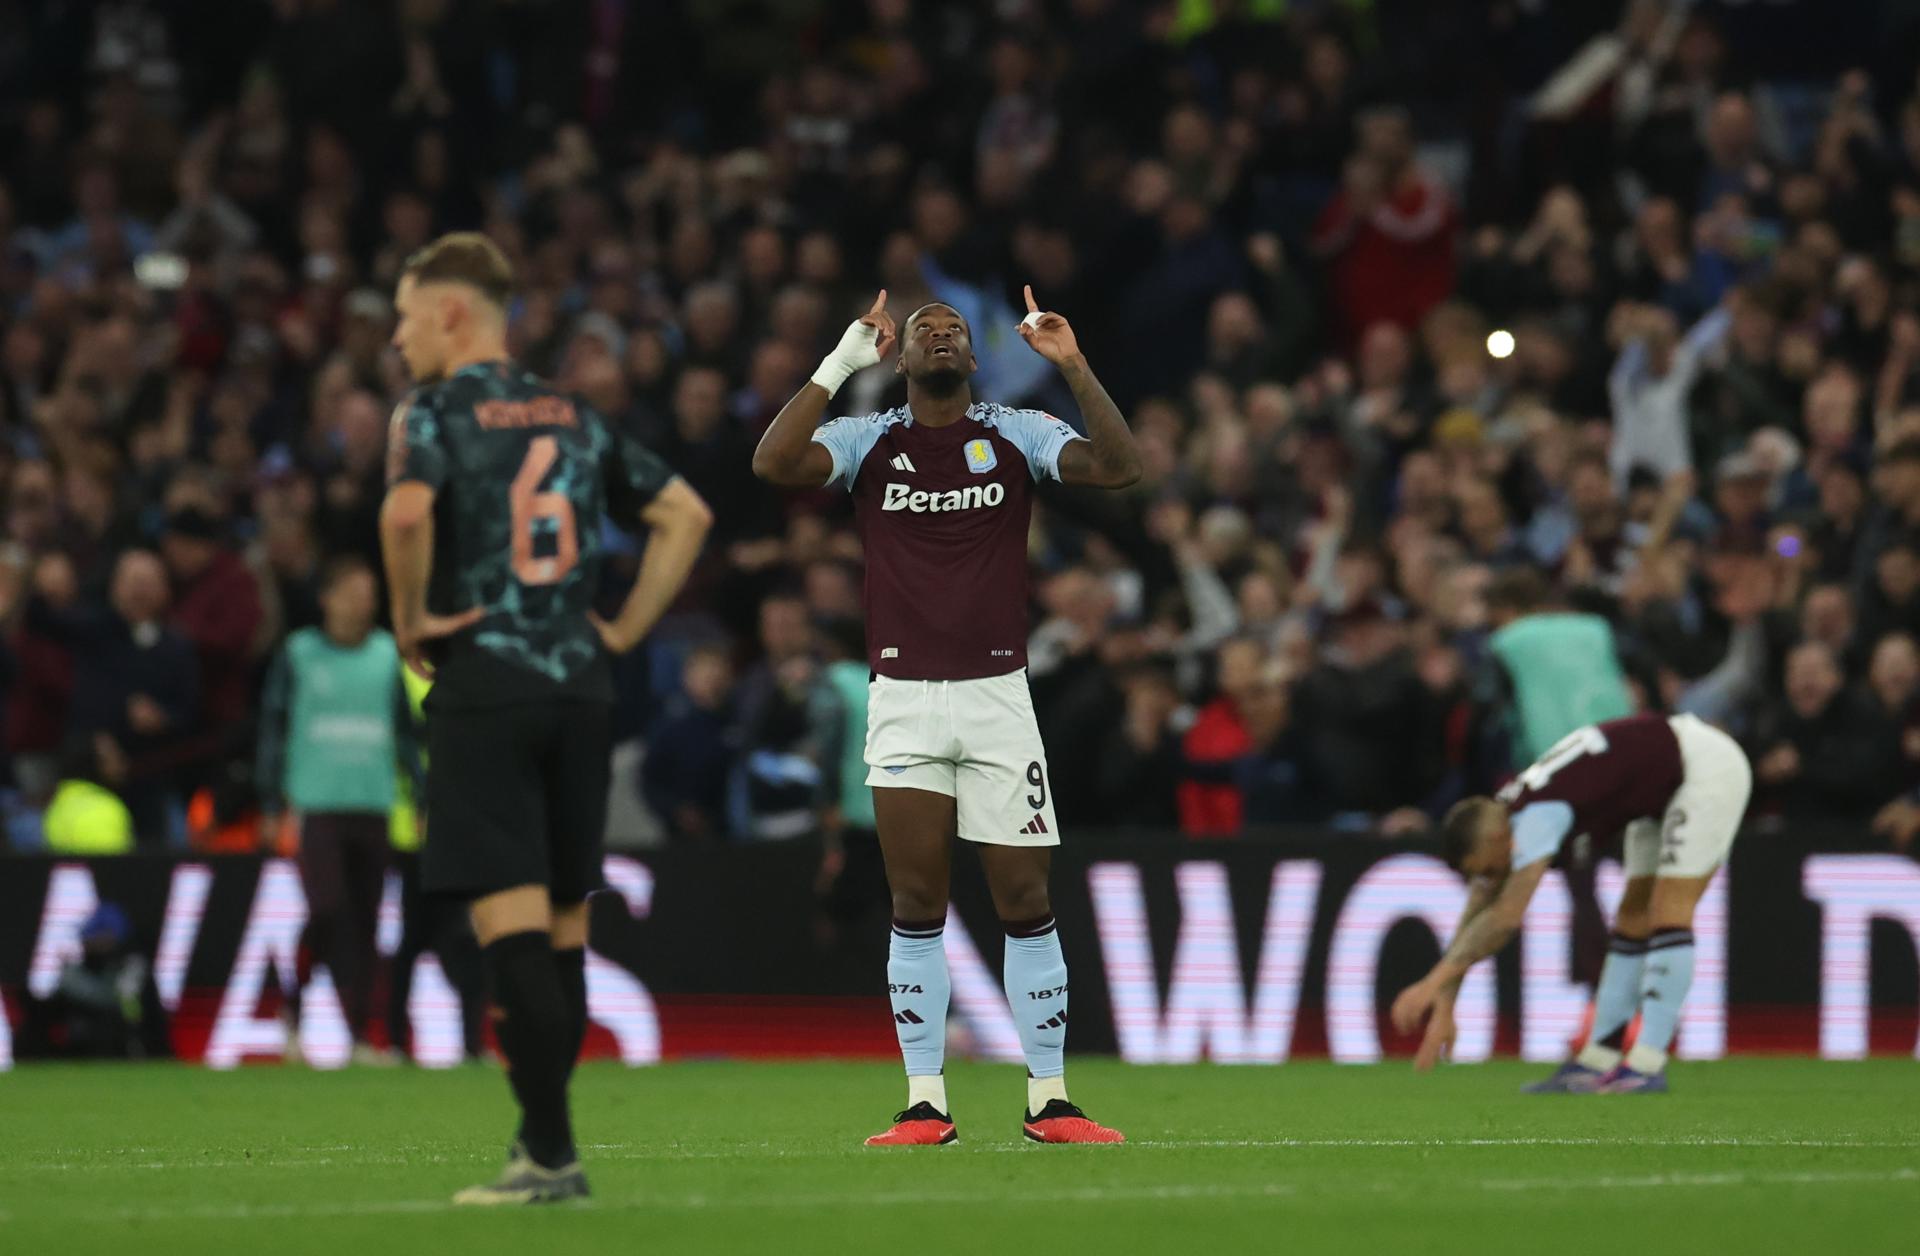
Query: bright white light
pixel 1500 344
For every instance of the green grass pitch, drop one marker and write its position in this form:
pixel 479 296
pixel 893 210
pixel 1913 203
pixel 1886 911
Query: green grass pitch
pixel 1750 1156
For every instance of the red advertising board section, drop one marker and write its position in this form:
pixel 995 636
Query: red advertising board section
pixel 1255 952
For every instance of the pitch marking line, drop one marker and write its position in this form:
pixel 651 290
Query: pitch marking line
pixel 303 1159
pixel 1083 1195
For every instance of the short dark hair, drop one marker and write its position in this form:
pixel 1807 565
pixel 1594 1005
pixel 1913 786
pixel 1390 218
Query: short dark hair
pixel 1466 820
pixel 1518 589
pixel 464 257
pixel 341 566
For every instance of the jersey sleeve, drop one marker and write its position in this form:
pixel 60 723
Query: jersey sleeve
pixel 1539 830
pixel 634 476
pixel 1040 436
pixel 415 444
pixel 849 440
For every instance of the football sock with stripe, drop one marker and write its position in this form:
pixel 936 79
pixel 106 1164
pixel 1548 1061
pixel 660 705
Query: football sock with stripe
pixel 919 987
pixel 1616 999
pixel 534 1033
pixel 1035 973
pixel 1663 989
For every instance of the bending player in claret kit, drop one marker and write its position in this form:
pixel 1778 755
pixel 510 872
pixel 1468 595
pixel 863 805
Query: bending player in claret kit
pixel 942 493
pixel 1678 788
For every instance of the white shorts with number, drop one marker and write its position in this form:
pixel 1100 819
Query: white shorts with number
pixel 1697 833
pixel 975 741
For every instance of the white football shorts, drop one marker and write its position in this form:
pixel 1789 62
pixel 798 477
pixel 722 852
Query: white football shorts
pixel 975 741
pixel 1696 834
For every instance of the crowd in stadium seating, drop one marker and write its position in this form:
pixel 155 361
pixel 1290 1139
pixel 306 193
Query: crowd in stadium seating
pixel 1427 317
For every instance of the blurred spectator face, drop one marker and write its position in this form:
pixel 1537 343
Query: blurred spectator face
pixel 408 220
pixel 1386 354
pixel 707 678
pixel 699 403
pixel 1234 323
pixel 713 316
pixel 1483 518
pixel 1261 599
pixel 349 603
pixel 798 314
pixel 783 628
pixel 363 431
pixel 1461 601
pixel 1895 671
pixel 763 256
pixel 1827 617
pixel 938 219
pixel 1184 219
pixel 1898 572
pixel 1659 227
pixel 1225 533
pixel 1327 66
pixel 1841 494
pixel 1833 411
pixel 1590 490
pixel 1386 136
pixel 1741 497
pixel 1813 680
pixel 1151 699
pixel 1082 599
pixel 1186 137
pixel 775 372
pixel 1265 710
pixel 1269 409
pixel 1238 666
pixel 1731 132
pixel 833 591
pixel 31 503
pixel 817 259
pixel 690 251
pixel 1897 482
pixel 139 588
pixel 647 359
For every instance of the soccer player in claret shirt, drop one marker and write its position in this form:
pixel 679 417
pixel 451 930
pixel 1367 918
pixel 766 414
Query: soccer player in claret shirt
pixel 1674 791
pixel 942 493
pixel 491 530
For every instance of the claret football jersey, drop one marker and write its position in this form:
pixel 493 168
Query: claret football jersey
pixel 943 513
pixel 1596 781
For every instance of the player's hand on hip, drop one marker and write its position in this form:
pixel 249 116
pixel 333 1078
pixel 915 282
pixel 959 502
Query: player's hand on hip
pixel 413 638
pixel 617 640
pixel 1048 334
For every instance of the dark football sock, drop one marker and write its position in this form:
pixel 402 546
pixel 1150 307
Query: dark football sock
pixel 533 1029
pixel 572 963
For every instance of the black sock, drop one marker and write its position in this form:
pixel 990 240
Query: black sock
pixel 572 963
pixel 533 1032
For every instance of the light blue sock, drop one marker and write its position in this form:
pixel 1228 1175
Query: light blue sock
pixel 918 984
pixel 1662 990
pixel 1615 1001
pixel 1036 978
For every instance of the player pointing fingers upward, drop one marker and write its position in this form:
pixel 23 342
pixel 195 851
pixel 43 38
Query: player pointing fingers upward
pixel 942 493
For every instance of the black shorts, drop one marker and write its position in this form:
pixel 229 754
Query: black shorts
pixel 516 795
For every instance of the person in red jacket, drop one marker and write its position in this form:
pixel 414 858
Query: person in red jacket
pixel 1211 803
pixel 1388 235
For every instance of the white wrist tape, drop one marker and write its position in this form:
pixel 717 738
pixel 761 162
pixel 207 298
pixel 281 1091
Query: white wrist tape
pixel 858 349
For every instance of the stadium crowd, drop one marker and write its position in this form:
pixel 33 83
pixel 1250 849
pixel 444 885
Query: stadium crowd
pixel 1432 320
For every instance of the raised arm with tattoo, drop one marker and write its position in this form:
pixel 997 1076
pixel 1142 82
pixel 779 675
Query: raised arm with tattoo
pixel 1108 458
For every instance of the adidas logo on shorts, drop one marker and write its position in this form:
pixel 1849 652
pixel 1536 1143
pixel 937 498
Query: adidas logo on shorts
pixel 1035 827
